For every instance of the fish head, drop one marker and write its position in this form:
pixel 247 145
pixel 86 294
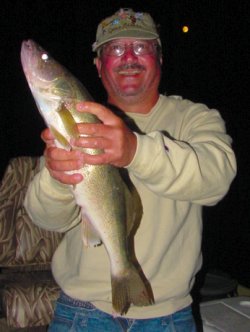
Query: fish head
pixel 52 86
pixel 45 76
pixel 38 65
pixel 55 90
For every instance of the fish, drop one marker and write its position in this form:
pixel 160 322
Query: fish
pixel 111 209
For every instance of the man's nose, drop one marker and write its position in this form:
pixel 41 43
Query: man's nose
pixel 129 54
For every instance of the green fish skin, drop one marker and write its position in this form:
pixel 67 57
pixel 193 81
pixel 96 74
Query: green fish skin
pixel 111 210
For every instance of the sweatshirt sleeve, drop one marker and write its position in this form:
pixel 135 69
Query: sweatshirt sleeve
pixel 198 166
pixel 50 204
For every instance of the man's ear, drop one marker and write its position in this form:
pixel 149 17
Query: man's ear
pixel 98 65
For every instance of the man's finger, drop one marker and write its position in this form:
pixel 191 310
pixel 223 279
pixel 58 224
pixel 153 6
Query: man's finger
pixel 47 135
pixel 102 112
pixel 70 179
pixel 62 154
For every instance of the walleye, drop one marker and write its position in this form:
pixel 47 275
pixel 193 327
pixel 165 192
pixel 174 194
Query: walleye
pixel 110 209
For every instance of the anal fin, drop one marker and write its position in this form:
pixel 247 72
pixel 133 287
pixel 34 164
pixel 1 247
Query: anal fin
pixel 90 236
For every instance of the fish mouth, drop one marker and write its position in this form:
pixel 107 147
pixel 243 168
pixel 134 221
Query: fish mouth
pixel 27 54
pixel 30 45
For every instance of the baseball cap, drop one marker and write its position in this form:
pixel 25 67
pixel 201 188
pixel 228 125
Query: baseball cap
pixel 125 23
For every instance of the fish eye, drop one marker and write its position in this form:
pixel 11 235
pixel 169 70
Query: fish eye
pixel 45 57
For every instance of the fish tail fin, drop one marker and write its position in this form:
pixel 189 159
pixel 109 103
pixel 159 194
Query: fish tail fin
pixel 130 288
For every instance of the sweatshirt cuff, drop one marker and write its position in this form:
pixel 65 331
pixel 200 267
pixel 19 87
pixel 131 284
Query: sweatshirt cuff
pixel 146 152
pixel 53 187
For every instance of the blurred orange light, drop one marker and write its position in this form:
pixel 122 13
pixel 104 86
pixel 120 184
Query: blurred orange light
pixel 185 29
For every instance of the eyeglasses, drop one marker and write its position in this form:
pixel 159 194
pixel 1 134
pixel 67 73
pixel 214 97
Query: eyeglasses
pixel 138 48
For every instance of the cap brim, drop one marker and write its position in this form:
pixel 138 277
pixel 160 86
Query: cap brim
pixel 127 33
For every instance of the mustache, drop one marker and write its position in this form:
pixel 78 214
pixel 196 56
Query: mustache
pixel 128 66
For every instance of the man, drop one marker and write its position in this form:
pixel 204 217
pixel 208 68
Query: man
pixel 179 159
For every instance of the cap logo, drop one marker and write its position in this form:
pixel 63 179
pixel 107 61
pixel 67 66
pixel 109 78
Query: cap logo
pixel 125 18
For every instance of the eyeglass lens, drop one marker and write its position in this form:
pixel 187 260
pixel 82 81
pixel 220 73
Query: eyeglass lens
pixel 138 48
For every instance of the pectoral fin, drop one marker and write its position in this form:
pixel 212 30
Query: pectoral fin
pixel 69 125
pixel 68 122
pixel 60 138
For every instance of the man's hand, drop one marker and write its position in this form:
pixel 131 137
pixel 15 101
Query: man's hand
pixel 58 161
pixel 112 136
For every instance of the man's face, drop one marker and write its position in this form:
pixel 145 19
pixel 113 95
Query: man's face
pixel 129 68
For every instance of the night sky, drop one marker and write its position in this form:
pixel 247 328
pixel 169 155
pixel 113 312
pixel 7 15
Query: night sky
pixel 208 64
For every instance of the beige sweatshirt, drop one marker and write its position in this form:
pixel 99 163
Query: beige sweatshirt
pixel 183 160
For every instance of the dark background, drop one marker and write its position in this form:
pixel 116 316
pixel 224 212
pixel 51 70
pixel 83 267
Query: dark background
pixel 208 64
